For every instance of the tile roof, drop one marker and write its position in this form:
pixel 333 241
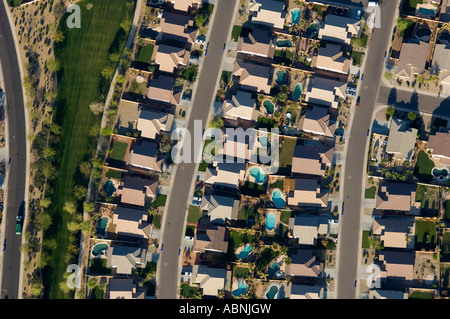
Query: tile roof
pixel 307 193
pixel 253 76
pixel 259 42
pixel 304 264
pixel 317 121
pixel 169 57
pixel 312 159
pixel 151 123
pixel 396 196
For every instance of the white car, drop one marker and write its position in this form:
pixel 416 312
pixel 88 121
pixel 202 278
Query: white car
pixel 358 14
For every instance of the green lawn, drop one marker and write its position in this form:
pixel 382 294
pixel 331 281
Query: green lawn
pixel 112 173
pixel 83 55
pixel 423 167
pixel 426 234
pixel 194 214
pixel 265 257
pixel 159 201
pixel 410 5
pixel 202 166
pixel 278 184
pixel 445 247
pixel 241 272
pixel 118 151
pixel 190 73
pixel 98 266
pixel 361 41
pixel 447 210
pixel 365 239
pixel 287 146
pixel 156 221
pixel 283 56
pixel 236 32
pixel 284 217
pixel 226 76
pixel 420 295
pixel 188 291
pixel 249 212
pixel 145 53
pixel 428 196
pixel 370 192
pixel 357 57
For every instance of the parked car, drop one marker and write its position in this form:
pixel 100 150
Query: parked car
pixel 357 102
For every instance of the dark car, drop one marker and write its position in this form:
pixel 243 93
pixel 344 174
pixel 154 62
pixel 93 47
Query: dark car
pixel 224 46
pixel 362 76
pixel 357 102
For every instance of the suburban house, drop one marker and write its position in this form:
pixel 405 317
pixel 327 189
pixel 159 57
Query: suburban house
pixel 169 58
pixel 439 145
pixel 307 227
pixel 307 193
pixel 326 92
pixel 225 175
pixel 212 238
pixel 241 107
pixel 307 292
pixel 402 140
pixel 396 265
pixel 253 77
pixel 123 288
pixel 161 89
pixel 151 123
pixel 178 27
pixel 259 42
pixel 268 13
pixel 332 58
pixel 395 233
pixel 339 29
pixel 131 222
pixel 211 280
pixel 312 159
pixel 316 120
pixel 123 259
pixel 396 196
pixel 441 59
pixel 184 5
pixel 387 294
pixel 136 190
pixel 145 159
pixel 412 60
pixel 304 264
pixel 220 208
pixel 427 10
pixel 236 149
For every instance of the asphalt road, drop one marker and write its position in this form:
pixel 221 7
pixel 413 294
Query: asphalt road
pixel 353 186
pixel 16 178
pixel 178 198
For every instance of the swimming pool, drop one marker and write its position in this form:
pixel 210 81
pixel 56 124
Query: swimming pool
pixel 272 292
pixel 281 77
pixel 241 289
pixel 440 174
pixel 278 199
pixel 273 269
pixel 270 221
pixel 258 174
pixel 269 106
pixel 101 226
pixel 295 13
pixel 99 248
pixel 109 188
pixel 245 252
pixel 284 43
pixel 298 91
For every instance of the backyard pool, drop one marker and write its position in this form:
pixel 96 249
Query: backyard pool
pixel 269 106
pixel 270 221
pixel 295 13
pixel 272 292
pixel 258 174
pixel 109 188
pixel 245 252
pixel 242 288
pixel 281 77
pixel 423 32
pixel 99 248
pixel 278 199
pixel 298 91
pixel 101 226
pixel 440 174
pixel 284 43
pixel 273 269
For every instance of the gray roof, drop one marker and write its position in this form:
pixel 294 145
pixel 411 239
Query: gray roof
pixel 125 258
pixel 441 58
pixel 402 139
pixel 220 208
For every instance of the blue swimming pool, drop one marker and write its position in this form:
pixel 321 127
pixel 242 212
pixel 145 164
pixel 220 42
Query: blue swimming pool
pixel 99 248
pixel 242 289
pixel 298 91
pixel 270 221
pixel 278 199
pixel 258 174
pixel 269 106
pixel 295 13
pixel 284 43
pixel 281 77
pixel 272 292
pixel 109 188
pixel 273 269
pixel 245 252
pixel 101 226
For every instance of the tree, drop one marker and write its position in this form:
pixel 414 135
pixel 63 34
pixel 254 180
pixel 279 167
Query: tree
pixel 403 24
pixel 114 57
pixel 217 122
pixel 70 208
pixel 412 116
pixel 59 36
pixel 45 202
pixel 48 152
pixel 390 111
pixel 53 65
pixel 106 131
pixel 89 206
pixel 107 73
pixel 126 25
pixel 85 169
pixel 55 129
pixel 92 283
pixel 79 192
pixel 120 79
pixel 96 108
pixel 43 221
pixel 200 20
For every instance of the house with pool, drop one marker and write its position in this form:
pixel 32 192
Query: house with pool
pixel 210 280
pixel 225 176
pixel 396 196
pixel 211 238
pixel 316 120
pixel 253 77
pixel 333 58
pixel 152 123
pixel 123 259
pixel 268 13
pixel 136 190
pixel 312 159
pixel 307 193
pixel 306 228
pixel 258 43
pixel 240 110
pixel 439 145
pixel 339 29
pixel 220 208
pixel 170 58
pixel 144 158
pixel 325 92
pixel 304 264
